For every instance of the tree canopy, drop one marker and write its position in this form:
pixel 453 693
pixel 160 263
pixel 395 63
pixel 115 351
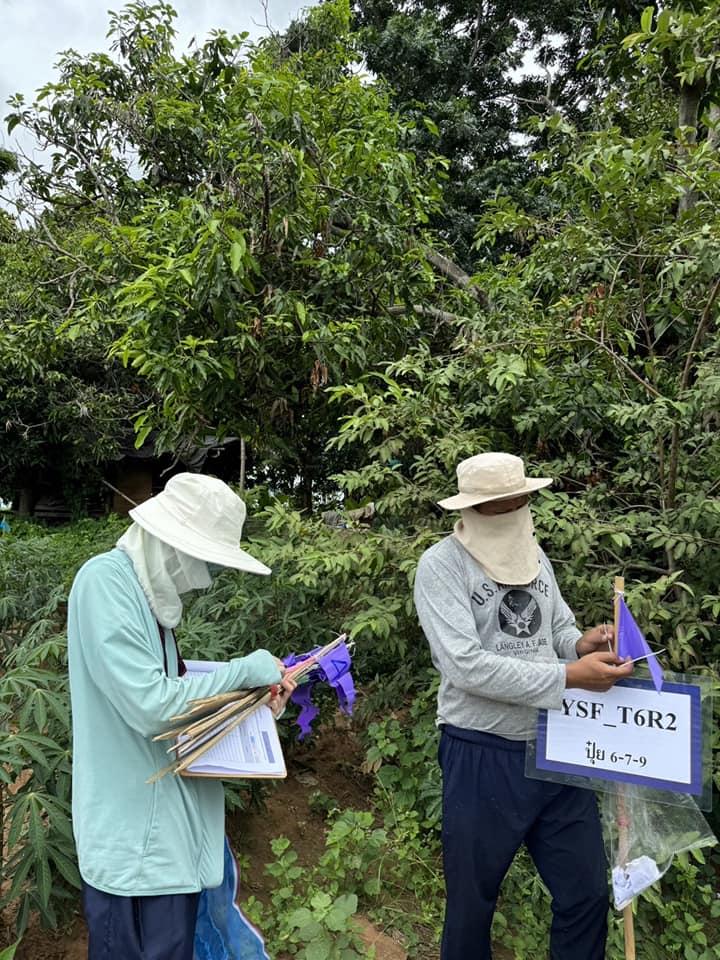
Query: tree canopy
pixel 471 75
pixel 241 226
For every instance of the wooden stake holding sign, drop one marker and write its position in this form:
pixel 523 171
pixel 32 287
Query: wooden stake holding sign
pixel 628 919
pixel 640 743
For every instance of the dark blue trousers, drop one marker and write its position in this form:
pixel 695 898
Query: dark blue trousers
pixel 139 928
pixel 489 809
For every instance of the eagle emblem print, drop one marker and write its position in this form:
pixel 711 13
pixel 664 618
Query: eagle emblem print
pixel 519 614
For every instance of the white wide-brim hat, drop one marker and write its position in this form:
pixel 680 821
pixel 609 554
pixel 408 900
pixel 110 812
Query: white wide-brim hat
pixel 491 476
pixel 200 516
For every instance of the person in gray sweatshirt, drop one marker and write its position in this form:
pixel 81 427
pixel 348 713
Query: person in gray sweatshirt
pixel 505 644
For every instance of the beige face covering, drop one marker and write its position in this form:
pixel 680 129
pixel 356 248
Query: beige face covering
pixel 503 543
pixel 164 572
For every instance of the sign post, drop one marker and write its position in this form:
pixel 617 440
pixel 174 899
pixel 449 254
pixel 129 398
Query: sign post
pixel 644 743
pixel 628 919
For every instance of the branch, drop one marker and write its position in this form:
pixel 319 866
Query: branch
pixel 56 248
pixel 341 223
pixel 622 362
pixel 266 17
pixel 442 315
pixel 476 37
pixel 688 117
pixel 702 326
pixel 96 177
pixel 455 273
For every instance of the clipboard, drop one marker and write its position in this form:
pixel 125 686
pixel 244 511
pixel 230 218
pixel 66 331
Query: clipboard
pixel 250 750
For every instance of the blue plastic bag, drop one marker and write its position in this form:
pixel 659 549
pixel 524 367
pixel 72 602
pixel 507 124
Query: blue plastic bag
pixel 223 932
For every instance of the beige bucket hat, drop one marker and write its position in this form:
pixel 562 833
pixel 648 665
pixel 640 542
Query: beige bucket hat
pixel 200 516
pixel 491 476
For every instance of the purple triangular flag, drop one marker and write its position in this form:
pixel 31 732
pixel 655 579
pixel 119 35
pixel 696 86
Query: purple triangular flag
pixel 308 711
pixel 335 670
pixel 631 643
pixel 336 663
pixel 345 689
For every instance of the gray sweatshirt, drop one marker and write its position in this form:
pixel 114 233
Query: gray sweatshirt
pixel 497 647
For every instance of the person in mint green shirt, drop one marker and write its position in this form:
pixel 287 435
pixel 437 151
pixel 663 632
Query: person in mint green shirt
pixel 146 850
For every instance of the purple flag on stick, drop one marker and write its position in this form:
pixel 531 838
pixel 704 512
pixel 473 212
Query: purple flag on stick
pixel 333 669
pixel 631 643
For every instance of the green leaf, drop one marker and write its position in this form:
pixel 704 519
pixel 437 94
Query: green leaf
pixel 17 820
pixel 633 39
pixel 19 877
pixel 336 920
pixel 35 827
pixel 350 953
pixel 39 711
pixel 43 880
pixel 142 435
pixel 310 931
pixel 348 903
pixel 663 22
pixel 237 252
pixel 23 915
pixel 320 900
pixel 299 917
pixel 317 950
pixel 66 867
pixel 646 19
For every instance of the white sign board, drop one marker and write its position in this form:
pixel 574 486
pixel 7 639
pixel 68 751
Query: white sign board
pixel 630 733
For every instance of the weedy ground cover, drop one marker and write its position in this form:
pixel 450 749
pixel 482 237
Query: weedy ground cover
pixel 382 861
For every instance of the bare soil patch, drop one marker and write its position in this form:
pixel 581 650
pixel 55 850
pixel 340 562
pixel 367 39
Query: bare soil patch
pixel 328 763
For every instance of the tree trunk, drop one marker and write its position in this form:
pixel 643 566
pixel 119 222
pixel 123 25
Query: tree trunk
pixel 25 504
pixel 713 137
pixel 688 109
pixel 243 461
pixel 306 490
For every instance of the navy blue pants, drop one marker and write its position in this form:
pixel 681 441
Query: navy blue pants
pixel 139 928
pixel 489 809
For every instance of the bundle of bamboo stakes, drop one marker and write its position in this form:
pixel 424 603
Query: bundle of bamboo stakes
pixel 209 719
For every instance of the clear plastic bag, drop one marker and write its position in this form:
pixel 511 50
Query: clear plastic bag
pixel 642 837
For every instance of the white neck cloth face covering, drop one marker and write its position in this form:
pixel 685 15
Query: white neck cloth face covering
pixel 164 572
pixel 503 543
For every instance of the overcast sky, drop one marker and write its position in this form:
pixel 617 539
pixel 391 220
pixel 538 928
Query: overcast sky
pixel 33 32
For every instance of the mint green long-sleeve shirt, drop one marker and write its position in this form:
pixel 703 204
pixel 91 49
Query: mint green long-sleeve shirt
pixel 135 838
